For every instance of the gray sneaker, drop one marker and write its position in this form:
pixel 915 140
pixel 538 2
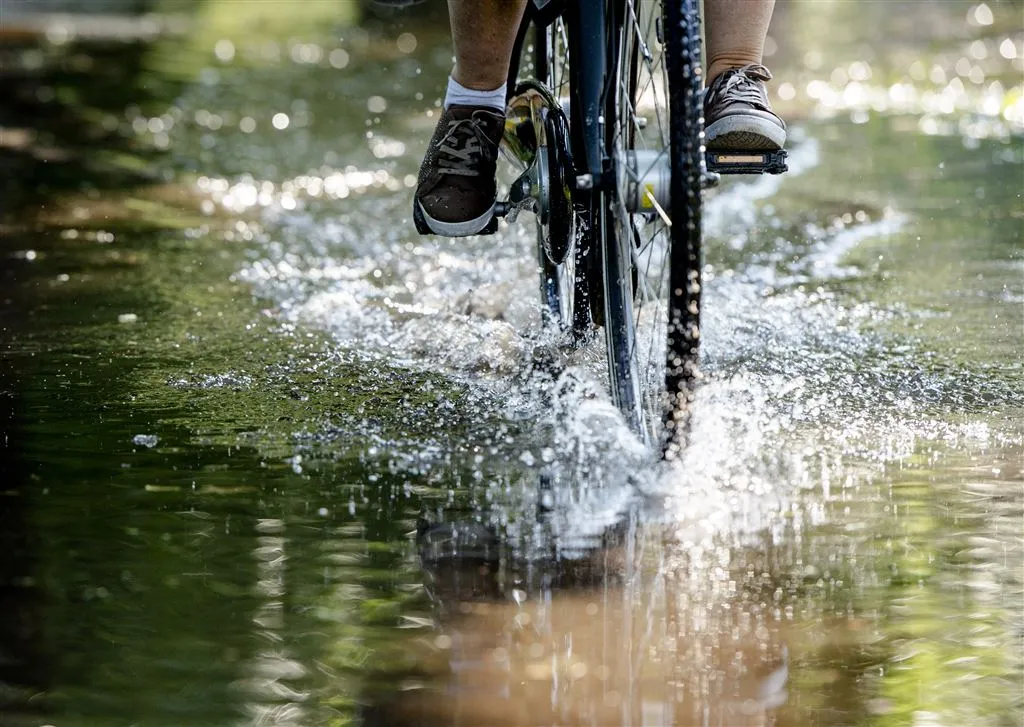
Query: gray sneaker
pixel 457 193
pixel 737 114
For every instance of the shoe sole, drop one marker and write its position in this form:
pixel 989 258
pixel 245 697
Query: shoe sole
pixel 744 133
pixel 457 229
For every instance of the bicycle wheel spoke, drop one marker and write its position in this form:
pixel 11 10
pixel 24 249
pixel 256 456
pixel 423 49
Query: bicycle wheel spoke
pixel 561 35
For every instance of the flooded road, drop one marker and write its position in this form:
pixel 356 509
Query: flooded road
pixel 269 457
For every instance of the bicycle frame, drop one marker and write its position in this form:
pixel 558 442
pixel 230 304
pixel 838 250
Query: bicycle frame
pixel 589 49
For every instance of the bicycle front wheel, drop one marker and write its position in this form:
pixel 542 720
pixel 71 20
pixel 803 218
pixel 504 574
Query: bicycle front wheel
pixel 651 217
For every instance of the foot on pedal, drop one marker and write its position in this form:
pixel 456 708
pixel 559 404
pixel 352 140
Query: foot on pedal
pixel 742 133
pixel 456 194
pixel 738 115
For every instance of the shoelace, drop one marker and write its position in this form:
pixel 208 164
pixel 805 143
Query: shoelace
pixel 453 160
pixel 742 85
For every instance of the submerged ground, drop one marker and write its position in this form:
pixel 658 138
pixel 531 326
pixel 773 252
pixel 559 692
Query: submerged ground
pixel 235 385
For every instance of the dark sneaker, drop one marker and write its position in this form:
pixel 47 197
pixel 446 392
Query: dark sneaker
pixel 737 114
pixel 456 193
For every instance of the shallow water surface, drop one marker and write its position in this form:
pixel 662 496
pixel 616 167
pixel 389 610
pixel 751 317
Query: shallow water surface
pixel 269 457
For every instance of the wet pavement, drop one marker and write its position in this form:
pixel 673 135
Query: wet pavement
pixel 269 457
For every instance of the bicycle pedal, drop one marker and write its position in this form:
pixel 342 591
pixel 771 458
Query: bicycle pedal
pixel 747 162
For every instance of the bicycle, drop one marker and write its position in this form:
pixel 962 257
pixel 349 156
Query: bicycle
pixel 618 198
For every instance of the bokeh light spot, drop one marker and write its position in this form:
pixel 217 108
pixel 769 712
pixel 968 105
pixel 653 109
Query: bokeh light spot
pixel 406 42
pixel 338 58
pixel 224 50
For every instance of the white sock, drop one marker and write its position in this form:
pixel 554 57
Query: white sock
pixel 459 95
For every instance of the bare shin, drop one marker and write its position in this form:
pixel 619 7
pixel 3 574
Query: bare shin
pixel 483 33
pixel 736 30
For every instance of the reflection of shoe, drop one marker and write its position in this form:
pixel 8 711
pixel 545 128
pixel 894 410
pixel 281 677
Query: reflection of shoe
pixel 468 541
pixel 456 192
pixel 737 114
pixel 460 562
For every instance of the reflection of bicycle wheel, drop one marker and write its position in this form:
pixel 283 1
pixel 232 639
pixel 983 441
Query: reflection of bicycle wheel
pixel 652 219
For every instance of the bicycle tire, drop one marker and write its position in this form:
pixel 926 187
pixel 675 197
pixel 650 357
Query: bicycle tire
pixel 651 259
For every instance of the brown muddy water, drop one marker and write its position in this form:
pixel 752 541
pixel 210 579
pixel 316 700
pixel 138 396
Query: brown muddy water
pixel 269 458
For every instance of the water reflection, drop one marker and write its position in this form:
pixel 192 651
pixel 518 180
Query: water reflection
pixel 640 631
pixel 817 617
pixel 272 669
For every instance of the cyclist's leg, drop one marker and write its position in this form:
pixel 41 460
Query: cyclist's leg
pixel 483 33
pixel 736 30
pixel 736 108
pixel 456 193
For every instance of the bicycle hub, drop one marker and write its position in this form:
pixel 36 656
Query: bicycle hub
pixel 648 181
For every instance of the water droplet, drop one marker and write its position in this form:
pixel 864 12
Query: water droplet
pixel 146 440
